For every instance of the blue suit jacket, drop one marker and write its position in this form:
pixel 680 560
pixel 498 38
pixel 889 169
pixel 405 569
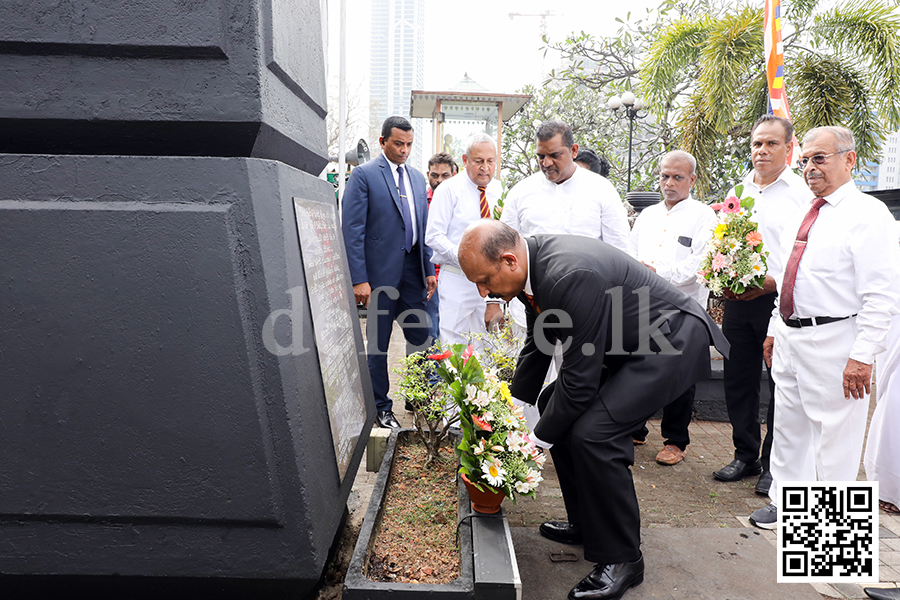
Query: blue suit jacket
pixel 373 228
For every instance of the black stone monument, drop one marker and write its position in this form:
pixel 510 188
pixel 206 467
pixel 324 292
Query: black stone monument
pixel 183 402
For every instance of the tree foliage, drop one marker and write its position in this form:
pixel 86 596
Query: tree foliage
pixel 842 67
pixel 700 67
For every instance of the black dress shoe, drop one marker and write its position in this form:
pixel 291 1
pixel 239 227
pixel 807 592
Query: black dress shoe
pixel 764 483
pixel 386 419
pixel 737 470
pixel 609 582
pixel 883 593
pixel 562 532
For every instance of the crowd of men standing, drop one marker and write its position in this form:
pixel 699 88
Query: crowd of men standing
pixel 633 300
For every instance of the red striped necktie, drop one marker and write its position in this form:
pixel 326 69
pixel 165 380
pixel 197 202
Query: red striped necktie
pixel 786 306
pixel 531 301
pixel 485 209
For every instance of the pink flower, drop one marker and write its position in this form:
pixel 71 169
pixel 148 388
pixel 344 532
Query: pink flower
pixel 732 204
pixel 469 351
pixel 754 239
pixel 717 206
pixel 719 262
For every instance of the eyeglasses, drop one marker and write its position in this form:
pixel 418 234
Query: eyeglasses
pixel 818 159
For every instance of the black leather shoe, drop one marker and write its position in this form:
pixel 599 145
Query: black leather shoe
pixel 737 470
pixel 883 593
pixel 562 532
pixel 386 419
pixel 609 582
pixel 764 483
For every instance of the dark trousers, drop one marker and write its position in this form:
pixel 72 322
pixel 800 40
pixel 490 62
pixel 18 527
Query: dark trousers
pixel 676 418
pixel 433 308
pixel 383 309
pixel 593 464
pixel 744 325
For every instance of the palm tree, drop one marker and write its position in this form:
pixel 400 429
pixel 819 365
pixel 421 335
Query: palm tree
pixel 842 67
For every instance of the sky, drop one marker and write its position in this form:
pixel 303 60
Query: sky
pixel 500 53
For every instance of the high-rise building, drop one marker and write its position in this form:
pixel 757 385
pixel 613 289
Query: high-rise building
pixel 397 62
pixel 889 171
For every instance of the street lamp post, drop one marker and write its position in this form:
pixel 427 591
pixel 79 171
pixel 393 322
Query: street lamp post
pixel 631 106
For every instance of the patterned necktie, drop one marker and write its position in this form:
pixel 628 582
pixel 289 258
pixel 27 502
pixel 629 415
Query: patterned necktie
pixel 485 209
pixel 533 304
pixel 786 306
pixel 404 210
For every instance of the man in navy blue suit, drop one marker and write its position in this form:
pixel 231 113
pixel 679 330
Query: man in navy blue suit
pixel 383 221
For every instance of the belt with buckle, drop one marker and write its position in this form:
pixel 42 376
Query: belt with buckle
pixel 811 321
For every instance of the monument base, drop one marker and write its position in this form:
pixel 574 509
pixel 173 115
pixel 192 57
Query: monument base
pixel 155 431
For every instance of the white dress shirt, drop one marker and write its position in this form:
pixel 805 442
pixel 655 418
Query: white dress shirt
pixel 774 205
pixel 674 241
pixel 585 204
pixel 851 265
pixel 410 201
pixel 454 206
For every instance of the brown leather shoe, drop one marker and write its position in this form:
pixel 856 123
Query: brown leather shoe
pixel 670 455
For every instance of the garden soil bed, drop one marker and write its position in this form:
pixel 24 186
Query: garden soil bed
pixel 416 542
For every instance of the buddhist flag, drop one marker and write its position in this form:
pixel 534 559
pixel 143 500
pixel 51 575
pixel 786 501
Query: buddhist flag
pixel 778 102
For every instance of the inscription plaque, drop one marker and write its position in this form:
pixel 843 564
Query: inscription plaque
pixel 323 260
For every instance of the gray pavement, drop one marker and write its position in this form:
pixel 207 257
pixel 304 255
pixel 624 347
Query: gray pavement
pixel 696 545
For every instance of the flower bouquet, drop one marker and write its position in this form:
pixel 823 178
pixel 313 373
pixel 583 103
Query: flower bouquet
pixel 736 259
pixel 495 453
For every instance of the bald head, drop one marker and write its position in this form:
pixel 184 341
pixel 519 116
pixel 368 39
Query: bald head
pixel 494 257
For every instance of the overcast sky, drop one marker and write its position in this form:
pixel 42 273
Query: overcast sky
pixel 500 53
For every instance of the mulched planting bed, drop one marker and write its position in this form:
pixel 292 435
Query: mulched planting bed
pixel 416 542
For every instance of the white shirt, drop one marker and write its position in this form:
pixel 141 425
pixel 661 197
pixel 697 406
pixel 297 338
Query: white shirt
pixel 455 204
pixel 410 201
pixel 674 241
pixel 584 204
pixel 851 265
pixel 775 205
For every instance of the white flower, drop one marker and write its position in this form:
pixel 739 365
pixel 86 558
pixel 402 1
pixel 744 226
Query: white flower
pixel 493 472
pixel 482 399
pixel 745 280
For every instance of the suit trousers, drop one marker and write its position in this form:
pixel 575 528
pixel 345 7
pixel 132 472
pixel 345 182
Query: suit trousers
pixel 383 309
pixel 744 325
pixel 594 467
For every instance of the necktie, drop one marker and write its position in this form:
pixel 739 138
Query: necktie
pixel 786 306
pixel 404 210
pixel 533 304
pixel 485 209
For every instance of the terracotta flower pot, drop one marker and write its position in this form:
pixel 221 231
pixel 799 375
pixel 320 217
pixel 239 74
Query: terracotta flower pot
pixel 484 502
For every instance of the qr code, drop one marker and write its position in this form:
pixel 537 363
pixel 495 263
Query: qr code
pixel 828 532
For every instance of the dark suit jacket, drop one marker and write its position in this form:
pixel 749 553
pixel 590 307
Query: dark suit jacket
pixel 593 283
pixel 373 228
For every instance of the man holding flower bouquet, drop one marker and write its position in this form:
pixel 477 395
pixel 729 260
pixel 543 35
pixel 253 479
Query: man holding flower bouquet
pixel 777 193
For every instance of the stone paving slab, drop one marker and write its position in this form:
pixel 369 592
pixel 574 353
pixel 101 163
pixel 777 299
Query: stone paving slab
pixel 682 564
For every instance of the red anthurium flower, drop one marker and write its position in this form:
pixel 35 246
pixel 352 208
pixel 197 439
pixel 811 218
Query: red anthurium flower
pixel 469 351
pixel 482 424
pixel 441 356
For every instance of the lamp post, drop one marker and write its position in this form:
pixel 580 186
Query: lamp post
pixel 631 106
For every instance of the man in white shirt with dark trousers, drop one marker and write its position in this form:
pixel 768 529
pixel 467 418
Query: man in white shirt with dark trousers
pixel 837 294
pixel 778 193
pixel 671 239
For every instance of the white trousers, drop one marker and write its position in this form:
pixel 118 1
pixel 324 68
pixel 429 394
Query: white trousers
pixel 882 459
pixel 818 434
pixel 461 309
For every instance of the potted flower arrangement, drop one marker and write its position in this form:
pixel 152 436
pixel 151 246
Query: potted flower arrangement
pixel 496 456
pixel 736 259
